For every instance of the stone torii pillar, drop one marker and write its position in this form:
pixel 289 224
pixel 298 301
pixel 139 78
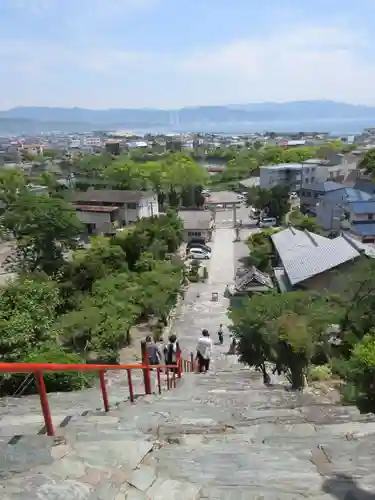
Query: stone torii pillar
pixel 234 208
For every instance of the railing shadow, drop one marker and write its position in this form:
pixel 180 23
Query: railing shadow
pixel 344 487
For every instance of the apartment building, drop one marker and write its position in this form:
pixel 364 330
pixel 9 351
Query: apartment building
pixel 285 174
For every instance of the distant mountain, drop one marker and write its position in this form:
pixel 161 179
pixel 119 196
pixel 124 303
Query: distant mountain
pixel 44 119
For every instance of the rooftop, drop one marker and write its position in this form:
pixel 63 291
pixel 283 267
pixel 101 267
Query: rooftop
pixel 95 208
pixel 362 207
pixel 223 197
pixel 284 166
pixel 348 195
pixel 110 196
pixel 304 254
pixel 195 219
pixel 364 228
pixel 324 187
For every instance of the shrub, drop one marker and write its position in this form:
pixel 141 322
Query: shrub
pixel 55 381
pixel 319 373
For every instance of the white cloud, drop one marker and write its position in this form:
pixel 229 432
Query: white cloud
pixel 306 62
pixel 303 62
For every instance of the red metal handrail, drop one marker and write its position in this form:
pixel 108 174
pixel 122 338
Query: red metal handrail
pixel 39 368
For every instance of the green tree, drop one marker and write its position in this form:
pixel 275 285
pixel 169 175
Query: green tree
pixel 28 308
pixel 12 185
pixel 91 264
pixel 360 374
pixel 367 164
pixel 160 287
pixel 261 249
pixel 303 222
pixel 285 329
pixel 274 201
pixel 44 228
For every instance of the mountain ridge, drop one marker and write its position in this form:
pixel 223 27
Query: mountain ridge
pixel 293 110
pixel 242 116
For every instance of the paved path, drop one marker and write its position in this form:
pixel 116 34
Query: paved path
pixel 218 436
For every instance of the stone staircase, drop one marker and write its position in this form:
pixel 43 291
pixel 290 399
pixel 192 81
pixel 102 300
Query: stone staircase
pixel 217 436
pixel 220 435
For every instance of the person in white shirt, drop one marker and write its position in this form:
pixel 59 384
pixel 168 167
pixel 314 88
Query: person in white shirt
pixel 204 349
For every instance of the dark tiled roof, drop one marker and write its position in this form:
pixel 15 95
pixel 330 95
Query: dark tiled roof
pixel 110 196
pixel 94 208
pixel 195 219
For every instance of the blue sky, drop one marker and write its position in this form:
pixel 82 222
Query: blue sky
pixel 174 53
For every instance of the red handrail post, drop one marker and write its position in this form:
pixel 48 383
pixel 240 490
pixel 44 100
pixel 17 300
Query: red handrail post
pixel 167 375
pixel 41 386
pixel 130 383
pixel 146 371
pixel 103 387
pixel 179 365
pixel 158 379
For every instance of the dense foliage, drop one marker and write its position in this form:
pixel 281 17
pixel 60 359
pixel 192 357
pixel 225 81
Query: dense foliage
pixel 303 222
pixel 300 329
pixel 72 305
pixel 261 249
pixel 175 177
pixel 273 202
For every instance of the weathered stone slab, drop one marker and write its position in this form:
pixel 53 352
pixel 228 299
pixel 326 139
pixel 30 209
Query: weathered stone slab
pixel 104 491
pixel 68 467
pixel 126 454
pixel 64 490
pixel 169 489
pixel 143 477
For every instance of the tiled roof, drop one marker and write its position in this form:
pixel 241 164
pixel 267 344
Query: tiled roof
pixel 364 229
pixel 195 219
pixel 324 187
pixel 362 207
pixel 348 194
pixel 109 196
pixel 304 254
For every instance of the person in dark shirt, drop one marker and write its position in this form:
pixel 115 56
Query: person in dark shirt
pixel 171 350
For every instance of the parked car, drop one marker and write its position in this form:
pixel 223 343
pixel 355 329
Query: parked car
pixel 193 244
pixel 198 254
pixel 268 222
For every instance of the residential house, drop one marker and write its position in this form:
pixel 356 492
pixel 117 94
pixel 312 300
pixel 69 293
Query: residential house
pixel 285 174
pixel 311 193
pixel 131 205
pixel 350 210
pixel 99 219
pixel 309 261
pixel 197 224
pixel 250 281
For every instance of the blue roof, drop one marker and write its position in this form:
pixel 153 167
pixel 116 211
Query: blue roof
pixel 364 229
pixel 348 195
pixel 362 207
pixel 324 187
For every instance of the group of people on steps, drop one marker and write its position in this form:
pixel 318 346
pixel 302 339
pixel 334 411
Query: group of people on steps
pixel 170 352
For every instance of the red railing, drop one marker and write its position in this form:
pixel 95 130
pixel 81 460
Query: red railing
pixel 172 372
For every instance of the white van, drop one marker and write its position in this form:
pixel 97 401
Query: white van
pixel 268 222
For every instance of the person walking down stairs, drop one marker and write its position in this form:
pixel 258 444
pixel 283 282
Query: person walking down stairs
pixel 220 334
pixel 171 351
pixel 153 352
pixel 204 350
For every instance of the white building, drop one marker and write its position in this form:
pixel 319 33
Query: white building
pixel 285 174
pixel 92 141
pixel 101 208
